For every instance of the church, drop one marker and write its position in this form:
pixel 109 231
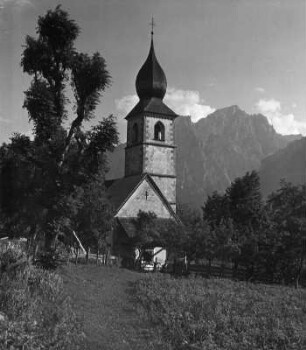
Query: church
pixel 149 183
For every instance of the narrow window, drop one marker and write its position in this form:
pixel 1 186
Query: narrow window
pixel 159 132
pixel 135 133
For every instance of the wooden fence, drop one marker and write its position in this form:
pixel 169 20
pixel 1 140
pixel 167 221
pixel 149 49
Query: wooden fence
pixel 217 271
pixel 230 272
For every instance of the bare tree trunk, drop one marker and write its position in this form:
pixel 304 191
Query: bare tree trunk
pixel 87 254
pixel 298 275
pixel 31 240
pixel 74 126
pixel 97 257
pixel 68 255
pixel 106 256
pixel 209 267
pixel 76 256
pixel 35 251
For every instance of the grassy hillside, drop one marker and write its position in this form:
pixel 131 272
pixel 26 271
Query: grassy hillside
pixel 223 315
pixel 122 309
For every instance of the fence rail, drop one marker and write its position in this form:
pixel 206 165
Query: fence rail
pixel 239 273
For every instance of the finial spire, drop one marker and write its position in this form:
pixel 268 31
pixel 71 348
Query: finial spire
pixel 151 80
pixel 152 24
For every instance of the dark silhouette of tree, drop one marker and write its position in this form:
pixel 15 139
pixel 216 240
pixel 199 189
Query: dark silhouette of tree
pixel 216 209
pixel 287 210
pixel 59 159
pixel 245 200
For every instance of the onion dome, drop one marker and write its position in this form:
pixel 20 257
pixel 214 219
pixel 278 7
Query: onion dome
pixel 151 80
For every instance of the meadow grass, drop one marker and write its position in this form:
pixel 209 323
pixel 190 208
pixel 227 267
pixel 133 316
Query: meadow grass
pixel 216 314
pixel 35 311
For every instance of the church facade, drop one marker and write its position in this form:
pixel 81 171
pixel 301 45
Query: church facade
pixel 149 183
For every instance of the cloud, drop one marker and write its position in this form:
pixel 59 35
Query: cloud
pixel 126 103
pixel 183 102
pixel 268 106
pixel 19 3
pixel 4 120
pixel 283 123
pixel 261 90
pixel 188 102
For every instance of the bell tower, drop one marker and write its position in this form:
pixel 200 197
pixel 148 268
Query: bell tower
pixel 150 145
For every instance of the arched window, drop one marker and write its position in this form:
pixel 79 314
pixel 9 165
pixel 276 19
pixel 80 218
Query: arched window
pixel 135 133
pixel 159 131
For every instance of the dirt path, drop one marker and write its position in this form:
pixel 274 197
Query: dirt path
pixel 103 299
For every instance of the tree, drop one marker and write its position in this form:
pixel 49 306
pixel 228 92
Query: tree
pixel 287 208
pixel 95 216
pixel 239 222
pixel 245 200
pixel 216 209
pixel 59 159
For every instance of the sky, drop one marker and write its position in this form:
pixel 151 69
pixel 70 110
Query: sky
pixel 215 53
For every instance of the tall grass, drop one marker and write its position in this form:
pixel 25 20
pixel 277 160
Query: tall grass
pixel 36 313
pixel 223 315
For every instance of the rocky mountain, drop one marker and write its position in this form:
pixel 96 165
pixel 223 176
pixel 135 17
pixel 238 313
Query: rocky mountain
pixel 288 163
pixel 215 150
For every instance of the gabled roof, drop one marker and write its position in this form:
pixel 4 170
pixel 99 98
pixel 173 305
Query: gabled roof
pixel 152 105
pixel 120 191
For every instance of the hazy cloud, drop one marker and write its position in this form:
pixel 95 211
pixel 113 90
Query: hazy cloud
pixel 126 103
pixel 19 3
pixel 188 102
pixel 261 90
pixel 183 102
pixel 4 120
pixel 283 123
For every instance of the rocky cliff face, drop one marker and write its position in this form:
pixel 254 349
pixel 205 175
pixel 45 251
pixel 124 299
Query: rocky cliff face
pixel 214 151
pixel 288 163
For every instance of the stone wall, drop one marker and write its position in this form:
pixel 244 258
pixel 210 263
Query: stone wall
pixel 144 198
pixel 139 120
pixel 159 160
pixel 167 186
pixel 134 160
pixel 149 129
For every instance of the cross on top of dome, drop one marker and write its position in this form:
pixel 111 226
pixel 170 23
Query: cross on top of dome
pixel 151 80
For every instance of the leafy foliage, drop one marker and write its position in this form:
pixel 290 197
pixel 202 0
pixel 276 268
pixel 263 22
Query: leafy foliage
pixel 42 175
pixel 266 240
pixel 95 215
pixel 287 210
pixel 37 313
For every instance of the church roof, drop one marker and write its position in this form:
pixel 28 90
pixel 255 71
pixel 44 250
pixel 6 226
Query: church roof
pixel 151 80
pixel 151 86
pixel 120 190
pixel 153 105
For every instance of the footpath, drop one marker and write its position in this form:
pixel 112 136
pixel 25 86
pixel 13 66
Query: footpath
pixel 103 300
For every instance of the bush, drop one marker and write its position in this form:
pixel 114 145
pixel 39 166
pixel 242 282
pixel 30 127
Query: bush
pixel 222 314
pixel 36 312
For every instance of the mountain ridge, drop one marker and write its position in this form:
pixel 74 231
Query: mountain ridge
pixel 215 150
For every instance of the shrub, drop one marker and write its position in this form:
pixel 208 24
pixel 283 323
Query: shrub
pixel 222 314
pixel 37 313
